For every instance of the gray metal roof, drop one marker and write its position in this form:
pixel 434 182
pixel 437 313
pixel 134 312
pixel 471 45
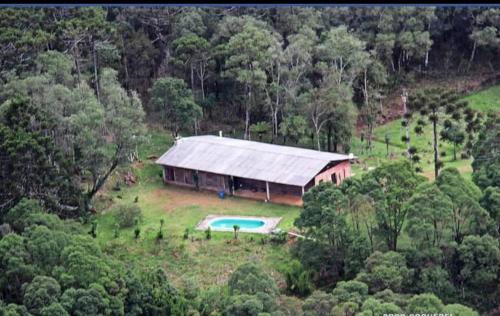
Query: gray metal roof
pixel 248 159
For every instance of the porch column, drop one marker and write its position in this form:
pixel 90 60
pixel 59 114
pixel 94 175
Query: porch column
pixel 267 191
pixel 173 172
pixel 164 177
pixel 232 185
pixel 302 191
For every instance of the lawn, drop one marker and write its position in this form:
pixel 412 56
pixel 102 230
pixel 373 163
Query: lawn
pixel 397 148
pixel 485 100
pixel 208 261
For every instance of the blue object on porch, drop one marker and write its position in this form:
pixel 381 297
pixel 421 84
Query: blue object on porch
pixel 222 194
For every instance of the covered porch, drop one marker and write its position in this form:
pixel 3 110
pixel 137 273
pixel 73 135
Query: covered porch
pixel 267 191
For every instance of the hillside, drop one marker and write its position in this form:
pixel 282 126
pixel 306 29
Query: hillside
pixel 484 101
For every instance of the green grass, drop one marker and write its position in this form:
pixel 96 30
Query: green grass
pixel 209 261
pixel 397 148
pixel 485 100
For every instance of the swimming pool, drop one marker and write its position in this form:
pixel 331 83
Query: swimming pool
pixel 228 223
pixel 247 224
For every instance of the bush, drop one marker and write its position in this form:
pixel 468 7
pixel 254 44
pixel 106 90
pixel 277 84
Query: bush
pixel 93 229
pixel 208 233
pixel 297 279
pixel 186 234
pixel 264 240
pixel 279 237
pixel 137 232
pixel 127 215
pixel 117 186
pixel 159 235
pixel 116 231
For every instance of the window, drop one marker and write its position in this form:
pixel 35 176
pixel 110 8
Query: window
pixel 334 178
pixel 169 173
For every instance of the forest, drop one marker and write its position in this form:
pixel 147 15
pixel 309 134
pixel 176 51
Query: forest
pixel 90 96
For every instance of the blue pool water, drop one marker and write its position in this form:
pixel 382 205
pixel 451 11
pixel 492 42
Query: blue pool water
pixel 228 223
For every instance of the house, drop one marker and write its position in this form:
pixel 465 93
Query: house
pixel 275 173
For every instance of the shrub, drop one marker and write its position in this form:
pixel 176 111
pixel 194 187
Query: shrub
pixel 127 215
pixel 159 235
pixel 186 234
pixel 297 279
pixel 137 232
pixel 116 231
pixel 4 230
pixel 117 186
pixel 208 233
pixel 93 229
pixel 236 228
pixel 279 237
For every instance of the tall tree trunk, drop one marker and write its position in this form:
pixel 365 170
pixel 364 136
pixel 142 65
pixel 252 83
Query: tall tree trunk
pixel 329 137
pixel 318 140
pixel 202 85
pixel 77 64
pixel 368 110
pixel 404 97
pixel 247 113
pixel 196 127
pixel 473 53
pixel 247 123
pixel 96 78
pixel 192 76
pixel 97 185
pixel 434 130
pixel 275 124
pixel 277 103
pixel 125 65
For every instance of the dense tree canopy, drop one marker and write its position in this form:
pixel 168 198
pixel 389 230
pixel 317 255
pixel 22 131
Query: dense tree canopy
pixel 78 85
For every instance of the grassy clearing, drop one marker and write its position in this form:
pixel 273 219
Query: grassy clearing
pixel 209 261
pixel 397 149
pixel 485 100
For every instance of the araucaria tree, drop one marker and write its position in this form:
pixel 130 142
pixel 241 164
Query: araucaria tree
pixel 436 104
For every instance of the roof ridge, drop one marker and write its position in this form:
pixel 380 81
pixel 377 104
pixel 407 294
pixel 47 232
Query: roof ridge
pixel 268 151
